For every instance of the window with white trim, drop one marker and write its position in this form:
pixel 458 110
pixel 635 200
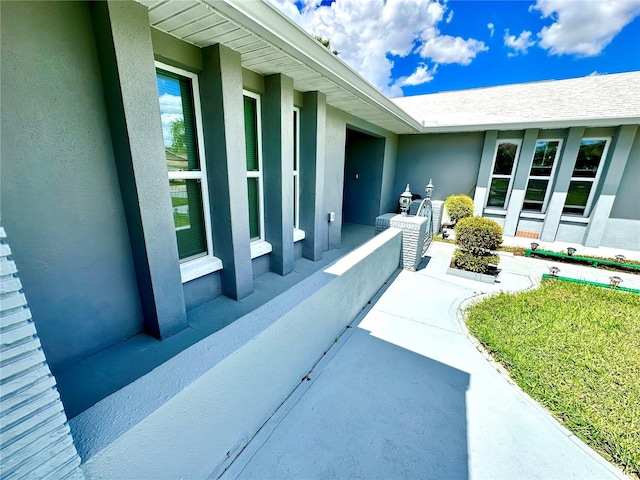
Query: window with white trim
pixel 586 173
pixel 504 165
pixel 541 175
pixel 253 143
pixel 296 166
pixel 179 101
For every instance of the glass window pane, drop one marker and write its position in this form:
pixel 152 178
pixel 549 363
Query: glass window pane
pixel 251 133
pixel 589 157
pixel 188 217
pixel 498 192
pixel 295 202
pixel 577 197
pixel 505 158
pixel 295 140
pixel 254 208
pixel 534 196
pixel 543 158
pixel 178 127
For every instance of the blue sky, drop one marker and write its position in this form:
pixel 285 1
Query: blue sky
pixel 411 47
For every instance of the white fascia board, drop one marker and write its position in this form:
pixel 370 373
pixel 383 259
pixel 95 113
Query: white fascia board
pixel 542 124
pixel 264 20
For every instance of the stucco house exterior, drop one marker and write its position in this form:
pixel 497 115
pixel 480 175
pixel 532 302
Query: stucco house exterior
pixel 159 158
pixel 555 160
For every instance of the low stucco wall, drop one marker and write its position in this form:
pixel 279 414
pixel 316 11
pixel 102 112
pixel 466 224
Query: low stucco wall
pixel 197 431
pixel 622 233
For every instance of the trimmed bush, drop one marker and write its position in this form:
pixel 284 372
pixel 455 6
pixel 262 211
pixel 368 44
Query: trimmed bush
pixel 458 207
pixel 478 235
pixel 473 263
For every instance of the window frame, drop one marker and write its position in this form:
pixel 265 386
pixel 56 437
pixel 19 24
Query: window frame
pixel 507 198
pixel 298 234
pixel 550 178
pixel 196 266
pixel 296 167
pixel 259 246
pixel 594 181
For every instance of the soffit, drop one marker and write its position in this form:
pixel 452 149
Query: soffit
pixel 206 22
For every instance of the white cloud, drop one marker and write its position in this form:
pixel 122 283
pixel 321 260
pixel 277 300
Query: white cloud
pixel 421 75
pixel 367 32
pixel 583 28
pixel 492 29
pixel 170 111
pixel 448 49
pixel 449 17
pixel 519 44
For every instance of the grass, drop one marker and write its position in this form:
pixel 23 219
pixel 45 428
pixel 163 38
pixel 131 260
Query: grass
pixel 575 349
pixel 179 201
pixel 181 220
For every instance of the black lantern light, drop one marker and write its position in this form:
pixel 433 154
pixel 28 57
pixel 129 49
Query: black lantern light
pixel 534 245
pixel 571 251
pixel 553 270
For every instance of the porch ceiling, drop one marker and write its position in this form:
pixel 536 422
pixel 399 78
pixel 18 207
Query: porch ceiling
pixel 270 43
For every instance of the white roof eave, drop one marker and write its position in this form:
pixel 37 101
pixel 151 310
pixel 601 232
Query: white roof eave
pixel 265 21
pixel 541 124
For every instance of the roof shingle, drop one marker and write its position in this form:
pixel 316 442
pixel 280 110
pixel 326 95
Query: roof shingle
pixel 592 98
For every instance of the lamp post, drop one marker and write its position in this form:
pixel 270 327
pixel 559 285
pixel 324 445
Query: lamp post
pixel 405 201
pixel 428 190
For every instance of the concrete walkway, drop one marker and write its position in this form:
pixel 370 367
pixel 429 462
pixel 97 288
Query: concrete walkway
pixel 405 394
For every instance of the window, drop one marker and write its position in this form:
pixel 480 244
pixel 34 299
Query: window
pixel 180 114
pixel 541 175
pixel 504 164
pixel 585 175
pixel 296 166
pixel 253 143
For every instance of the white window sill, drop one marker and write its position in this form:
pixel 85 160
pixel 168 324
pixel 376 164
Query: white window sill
pixel 259 248
pixel 534 215
pixel 570 218
pixel 298 235
pixel 492 211
pixel 199 267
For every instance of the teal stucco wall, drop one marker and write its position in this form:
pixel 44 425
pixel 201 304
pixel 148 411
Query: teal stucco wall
pixel 60 195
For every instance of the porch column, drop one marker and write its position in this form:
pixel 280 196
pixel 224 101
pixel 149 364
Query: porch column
pixel 313 117
pixel 561 186
pixel 125 53
pixel 619 155
pixel 520 181
pixel 223 129
pixel 277 159
pixel 484 173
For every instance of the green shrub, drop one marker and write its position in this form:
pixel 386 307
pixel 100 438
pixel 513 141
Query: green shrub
pixel 458 207
pixel 473 263
pixel 478 235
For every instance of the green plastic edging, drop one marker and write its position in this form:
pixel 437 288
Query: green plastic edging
pixel 586 282
pixel 594 261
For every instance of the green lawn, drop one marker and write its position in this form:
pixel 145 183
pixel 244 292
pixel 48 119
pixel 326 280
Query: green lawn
pixel 576 349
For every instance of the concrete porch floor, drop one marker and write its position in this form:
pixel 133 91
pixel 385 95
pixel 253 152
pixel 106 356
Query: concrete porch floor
pixel 404 393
